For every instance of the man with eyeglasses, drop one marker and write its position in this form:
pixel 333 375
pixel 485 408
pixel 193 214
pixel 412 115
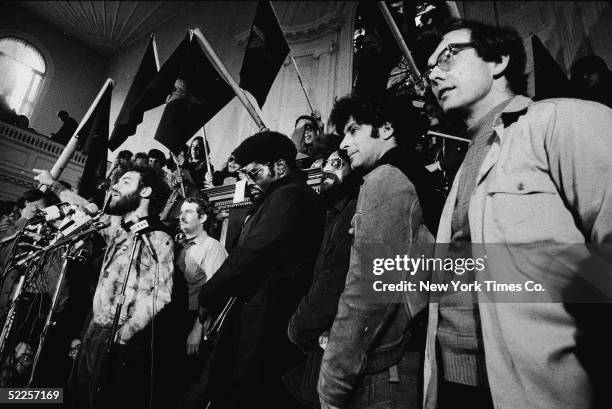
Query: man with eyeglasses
pixel 311 322
pixel 268 270
pixel 376 343
pixel 533 173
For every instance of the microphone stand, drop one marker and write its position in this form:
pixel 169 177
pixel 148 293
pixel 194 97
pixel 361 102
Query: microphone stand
pixel 69 242
pixel 18 236
pixel 106 369
pixel 121 298
pixel 43 335
pixel 10 316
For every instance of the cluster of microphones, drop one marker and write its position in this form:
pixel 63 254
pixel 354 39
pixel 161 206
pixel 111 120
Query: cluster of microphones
pixel 56 225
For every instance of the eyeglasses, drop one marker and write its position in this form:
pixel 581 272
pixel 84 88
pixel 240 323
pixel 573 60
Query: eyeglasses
pixel 254 174
pixel 446 59
pixel 335 163
pixel 309 127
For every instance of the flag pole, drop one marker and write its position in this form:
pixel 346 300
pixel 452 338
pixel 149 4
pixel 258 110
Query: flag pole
pixel 398 37
pixel 302 84
pixel 71 146
pixel 206 150
pixel 443 135
pixel 214 58
pixel 155 51
pixel 293 61
pixel 452 9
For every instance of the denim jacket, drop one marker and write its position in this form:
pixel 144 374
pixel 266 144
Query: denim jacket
pixel 546 179
pixel 369 337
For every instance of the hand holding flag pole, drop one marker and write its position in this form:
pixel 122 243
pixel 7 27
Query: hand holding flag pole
pixel 214 58
pixel 180 169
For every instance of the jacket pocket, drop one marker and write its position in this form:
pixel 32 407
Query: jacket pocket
pixel 528 200
pixel 523 183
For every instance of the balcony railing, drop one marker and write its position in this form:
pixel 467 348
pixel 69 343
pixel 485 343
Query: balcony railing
pixel 21 151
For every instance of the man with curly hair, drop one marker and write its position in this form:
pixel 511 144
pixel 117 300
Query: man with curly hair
pixel 118 379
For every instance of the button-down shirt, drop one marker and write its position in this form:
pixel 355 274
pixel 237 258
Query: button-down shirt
pixel 199 258
pixel 149 286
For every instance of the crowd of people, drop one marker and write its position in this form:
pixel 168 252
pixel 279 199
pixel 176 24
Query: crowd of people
pixel 283 314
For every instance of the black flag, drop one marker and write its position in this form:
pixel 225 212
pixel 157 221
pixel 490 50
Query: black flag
pixel 130 115
pixel 95 136
pixel 549 79
pixel 265 52
pixel 193 91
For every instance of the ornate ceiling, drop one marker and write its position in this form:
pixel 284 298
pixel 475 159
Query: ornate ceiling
pixel 106 26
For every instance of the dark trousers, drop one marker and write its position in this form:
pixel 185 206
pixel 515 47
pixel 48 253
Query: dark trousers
pixel 118 381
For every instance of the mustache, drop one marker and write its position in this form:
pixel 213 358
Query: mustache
pixel 329 179
pixel 329 175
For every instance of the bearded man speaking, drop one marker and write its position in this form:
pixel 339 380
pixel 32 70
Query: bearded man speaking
pixel 136 200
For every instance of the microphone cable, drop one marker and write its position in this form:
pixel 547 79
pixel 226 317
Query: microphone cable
pixel 154 316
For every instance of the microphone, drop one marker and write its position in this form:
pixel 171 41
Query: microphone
pixel 147 242
pixel 91 208
pixel 80 218
pixel 140 228
pixel 54 212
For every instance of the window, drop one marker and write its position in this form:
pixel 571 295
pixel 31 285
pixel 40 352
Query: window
pixel 22 70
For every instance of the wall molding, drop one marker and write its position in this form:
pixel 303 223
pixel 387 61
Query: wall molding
pixel 320 27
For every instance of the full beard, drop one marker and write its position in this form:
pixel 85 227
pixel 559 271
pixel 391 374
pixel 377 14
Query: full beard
pixel 330 189
pixel 124 204
pixel 329 183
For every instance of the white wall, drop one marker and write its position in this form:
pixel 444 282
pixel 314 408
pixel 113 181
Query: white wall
pixel 319 35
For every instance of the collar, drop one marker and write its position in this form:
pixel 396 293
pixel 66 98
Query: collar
pixel 392 157
pixel 199 239
pixel 513 111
